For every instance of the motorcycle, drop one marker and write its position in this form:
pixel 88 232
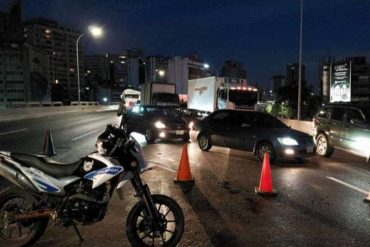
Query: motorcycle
pixel 79 193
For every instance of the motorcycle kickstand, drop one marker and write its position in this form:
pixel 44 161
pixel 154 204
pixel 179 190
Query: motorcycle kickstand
pixel 78 233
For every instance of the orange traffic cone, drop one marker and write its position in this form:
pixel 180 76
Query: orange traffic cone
pixel 184 173
pixel 266 187
pixel 367 199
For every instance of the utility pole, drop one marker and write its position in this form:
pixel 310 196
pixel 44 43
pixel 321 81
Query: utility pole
pixel 300 66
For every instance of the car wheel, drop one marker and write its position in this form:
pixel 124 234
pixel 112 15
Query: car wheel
pixel 266 147
pixel 204 142
pixel 149 136
pixel 323 147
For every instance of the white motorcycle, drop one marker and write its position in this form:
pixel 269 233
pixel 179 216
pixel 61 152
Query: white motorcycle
pixel 79 193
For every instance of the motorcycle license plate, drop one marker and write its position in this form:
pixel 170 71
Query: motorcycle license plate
pixel 179 132
pixel 309 150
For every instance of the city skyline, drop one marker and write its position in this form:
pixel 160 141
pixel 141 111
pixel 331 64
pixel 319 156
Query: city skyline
pixel 264 36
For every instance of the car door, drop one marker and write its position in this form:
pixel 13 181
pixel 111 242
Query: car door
pixel 356 134
pixel 336 126
pixel 219 127
pixel 240 133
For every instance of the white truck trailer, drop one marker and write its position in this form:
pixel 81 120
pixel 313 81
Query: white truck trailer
pixel 212 93
pixel 159 93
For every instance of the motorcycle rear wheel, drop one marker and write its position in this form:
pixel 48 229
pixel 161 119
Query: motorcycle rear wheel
pixel 139 226
pixel 19 233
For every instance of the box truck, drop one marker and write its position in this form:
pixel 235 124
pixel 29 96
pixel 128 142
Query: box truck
pixel 159 93
pixel 130 97
pixel 212 93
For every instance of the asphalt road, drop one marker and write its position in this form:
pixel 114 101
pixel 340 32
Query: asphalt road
pixel 319 202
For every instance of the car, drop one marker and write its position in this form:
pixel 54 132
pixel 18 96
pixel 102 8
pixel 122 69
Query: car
pixel 343 126
pixel 253 131
pixel 156 122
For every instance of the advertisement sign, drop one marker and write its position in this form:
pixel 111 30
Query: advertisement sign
pixel 340 82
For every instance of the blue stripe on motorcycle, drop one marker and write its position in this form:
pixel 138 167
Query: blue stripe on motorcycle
pixel 108 170
pixel 46 186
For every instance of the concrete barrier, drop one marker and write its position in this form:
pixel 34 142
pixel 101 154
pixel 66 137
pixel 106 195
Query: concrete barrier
pixel 11 114
pixel 304 126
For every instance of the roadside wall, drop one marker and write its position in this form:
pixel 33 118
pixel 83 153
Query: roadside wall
pixel 36 112
pixel 304 126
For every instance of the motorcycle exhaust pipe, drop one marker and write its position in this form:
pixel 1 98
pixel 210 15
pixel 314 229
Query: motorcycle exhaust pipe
pixel 14 176
pixel 35 214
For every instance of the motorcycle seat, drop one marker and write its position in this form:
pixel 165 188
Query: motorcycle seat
pixel 46 164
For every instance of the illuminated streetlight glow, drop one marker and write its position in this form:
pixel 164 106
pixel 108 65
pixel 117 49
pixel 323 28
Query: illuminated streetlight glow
pixel 96 31
pixel 161 73
pixel 208 67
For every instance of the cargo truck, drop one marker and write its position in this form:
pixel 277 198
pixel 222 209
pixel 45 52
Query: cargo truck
pixel 159 93
pixel 130 97
pixel 212 93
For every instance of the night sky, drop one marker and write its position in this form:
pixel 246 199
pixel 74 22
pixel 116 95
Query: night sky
pixel 264 35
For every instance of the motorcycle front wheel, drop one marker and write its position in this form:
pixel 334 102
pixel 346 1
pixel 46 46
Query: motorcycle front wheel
pixel 18 233
pixel 140 227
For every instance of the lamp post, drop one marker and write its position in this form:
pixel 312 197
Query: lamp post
pixel 300 66
pixel 206 66
pixel 96 32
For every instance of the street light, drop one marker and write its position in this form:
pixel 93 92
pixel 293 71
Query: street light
pixel 206 66
pixel 161 73
pixel 300 66
pixel 96 32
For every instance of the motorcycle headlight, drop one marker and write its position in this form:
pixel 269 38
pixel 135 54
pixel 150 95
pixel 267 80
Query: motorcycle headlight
pixel 159 125
pixel 288 141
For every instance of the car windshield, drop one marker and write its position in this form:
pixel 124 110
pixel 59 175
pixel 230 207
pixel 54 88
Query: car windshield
pixel 242 97
pixel 168 112
pixel 262 120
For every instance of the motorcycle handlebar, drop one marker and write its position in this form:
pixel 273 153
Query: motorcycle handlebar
pixel 117 131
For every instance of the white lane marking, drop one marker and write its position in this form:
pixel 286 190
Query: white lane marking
pixel 348 185
pixel 13 131
pixel 86 134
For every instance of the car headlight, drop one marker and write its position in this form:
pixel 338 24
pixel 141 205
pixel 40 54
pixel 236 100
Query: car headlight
pixel 288 141
pixel 159 125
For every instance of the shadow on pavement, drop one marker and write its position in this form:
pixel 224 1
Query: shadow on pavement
pixel 294 163
pixel 220 234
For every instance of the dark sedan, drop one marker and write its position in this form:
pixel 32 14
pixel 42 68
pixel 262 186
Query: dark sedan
pixel 256 132
pixel 156 122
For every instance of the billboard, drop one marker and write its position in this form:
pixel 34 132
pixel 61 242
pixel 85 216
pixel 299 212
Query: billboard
pixel 340 82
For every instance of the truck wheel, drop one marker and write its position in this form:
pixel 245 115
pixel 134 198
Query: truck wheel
pixel 323 146
pixel 204 142
pixel 149 136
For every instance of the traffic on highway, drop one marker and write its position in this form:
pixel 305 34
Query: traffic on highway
pixel 317 197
